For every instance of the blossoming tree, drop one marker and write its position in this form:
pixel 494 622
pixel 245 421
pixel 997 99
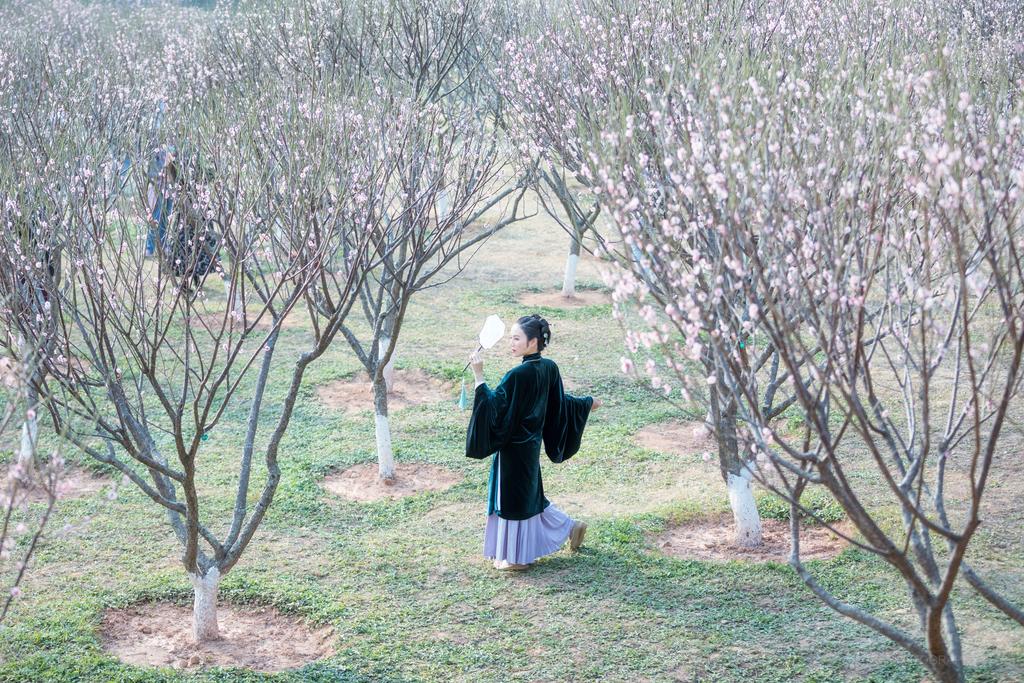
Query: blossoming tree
pixel 447 166
pixel 853 246
pixel 144 361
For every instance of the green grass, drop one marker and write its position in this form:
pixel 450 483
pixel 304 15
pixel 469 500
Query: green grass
pixel 821 506
pixel 403 583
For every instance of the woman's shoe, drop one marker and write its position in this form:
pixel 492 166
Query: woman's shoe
pixel 506 566
pixel 579 529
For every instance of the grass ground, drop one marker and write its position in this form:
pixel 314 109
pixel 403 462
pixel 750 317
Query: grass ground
pixel 404 584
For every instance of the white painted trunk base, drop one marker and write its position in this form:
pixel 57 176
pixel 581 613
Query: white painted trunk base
pixel 29 439
pixel 385 458
pixel 569 282
pixel 443 205
pixel 204 609
pixel 744 509
pixel 30 427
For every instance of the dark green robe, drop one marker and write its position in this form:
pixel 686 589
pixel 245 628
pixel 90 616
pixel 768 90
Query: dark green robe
pixel 527 408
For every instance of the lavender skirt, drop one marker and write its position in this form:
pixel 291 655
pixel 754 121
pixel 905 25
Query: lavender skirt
pixel 523 541
pixel 511 541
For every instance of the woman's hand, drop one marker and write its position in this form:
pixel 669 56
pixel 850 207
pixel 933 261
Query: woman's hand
pixel 476 362
pixel 596 404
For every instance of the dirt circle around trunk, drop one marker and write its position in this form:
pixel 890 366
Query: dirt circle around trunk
pixel 712 539
pixel 362 483
pixel 411 388
pixel 256 638
pixel 679 438
pixel 581 299
pixel 216 321
pixel 77 483
pixel 72 483
pixel 65 365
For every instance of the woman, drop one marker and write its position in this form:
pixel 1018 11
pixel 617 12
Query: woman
pixel 526 409
pixel 163 176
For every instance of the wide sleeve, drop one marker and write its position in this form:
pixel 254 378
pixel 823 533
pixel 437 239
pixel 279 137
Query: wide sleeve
pixel 493 418
pixel 565 420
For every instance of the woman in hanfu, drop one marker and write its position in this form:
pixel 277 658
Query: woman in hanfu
pixel 511 422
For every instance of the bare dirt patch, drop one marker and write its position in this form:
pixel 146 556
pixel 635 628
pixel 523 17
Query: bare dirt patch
pixel 215 321
pixel 75 483
pixel 681 438
pixel 259 638
pixel 74 365
pixel 411 388
pixel 556 300
pixel 363 484
pixel 712 539
pixel 72 483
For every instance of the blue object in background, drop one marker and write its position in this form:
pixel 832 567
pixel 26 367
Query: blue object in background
pixel 158 226
pixel 162 209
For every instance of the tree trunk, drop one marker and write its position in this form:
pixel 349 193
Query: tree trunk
pixel 30 427
pixel 389 368
pixel 744 509
pixel 204 610
pixel 29 438
pixel 385 458
pixel 443 205
pixel 737 475
pixel 945 671
pixel 569 281
pixel 947 660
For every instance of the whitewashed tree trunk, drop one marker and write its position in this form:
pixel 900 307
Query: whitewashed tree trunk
pixel 204 609
pixel 569 281
pixel 443 205
pixel 737 473
pixel 571 262
pixel 29 439
pixel 744 509
pixel 385 457
pixel 30 427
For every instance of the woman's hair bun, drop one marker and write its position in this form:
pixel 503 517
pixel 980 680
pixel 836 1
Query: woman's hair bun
pixel 536 327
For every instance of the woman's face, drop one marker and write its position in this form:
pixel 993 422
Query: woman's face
pixel 518 344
